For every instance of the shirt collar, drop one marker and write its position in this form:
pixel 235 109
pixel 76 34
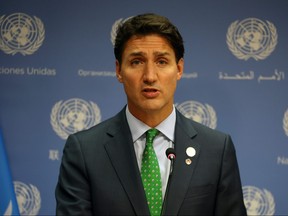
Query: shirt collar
pixel 138 128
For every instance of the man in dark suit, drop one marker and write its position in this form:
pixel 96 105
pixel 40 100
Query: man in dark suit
pixel 101 169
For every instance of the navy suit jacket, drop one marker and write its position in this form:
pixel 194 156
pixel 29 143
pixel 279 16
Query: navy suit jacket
pixel 99 174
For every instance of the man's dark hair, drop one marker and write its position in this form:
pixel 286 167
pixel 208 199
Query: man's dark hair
pixel 147 24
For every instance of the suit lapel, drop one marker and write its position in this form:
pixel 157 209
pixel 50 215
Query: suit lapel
pixel 182 171
pixel 122 155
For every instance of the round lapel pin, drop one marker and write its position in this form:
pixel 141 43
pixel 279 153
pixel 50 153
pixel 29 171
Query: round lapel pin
pixel 188 161
pixel 191 152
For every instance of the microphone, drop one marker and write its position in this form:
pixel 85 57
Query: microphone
pixel 171 155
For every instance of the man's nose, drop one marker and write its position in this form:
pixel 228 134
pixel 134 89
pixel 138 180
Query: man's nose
pixel 150 72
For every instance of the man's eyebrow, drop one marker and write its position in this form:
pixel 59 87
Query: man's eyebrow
pixel 162 53
pixel 137 54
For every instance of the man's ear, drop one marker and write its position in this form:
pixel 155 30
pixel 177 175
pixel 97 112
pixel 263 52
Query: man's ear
pixel 118 71
pixel 180 66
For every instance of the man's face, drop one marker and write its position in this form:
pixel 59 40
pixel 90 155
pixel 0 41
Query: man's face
pixel 149 73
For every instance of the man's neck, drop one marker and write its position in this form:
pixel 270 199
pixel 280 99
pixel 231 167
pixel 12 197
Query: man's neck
pixel 150 117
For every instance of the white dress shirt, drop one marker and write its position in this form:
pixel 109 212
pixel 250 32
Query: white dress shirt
pixel 162 141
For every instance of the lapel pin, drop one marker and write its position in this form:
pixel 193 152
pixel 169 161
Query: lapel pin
pixel 188 161
pixel 190 151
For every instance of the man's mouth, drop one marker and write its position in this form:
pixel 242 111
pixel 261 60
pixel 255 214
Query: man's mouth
pixel 150 92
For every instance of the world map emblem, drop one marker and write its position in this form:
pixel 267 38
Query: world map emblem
pixel 257 201
pixel 115 26
pixel 204 114
pixel 252 38
pixel 28 198
pixel 73 115
pixel 21 33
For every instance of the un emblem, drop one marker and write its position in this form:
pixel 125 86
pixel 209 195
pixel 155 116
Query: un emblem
pixel 115 26
pixel 28 198
pixel 285 122
pixel 20 33
pixel 252 38
pixel 204 114
pixel 258 202
pixel 74 115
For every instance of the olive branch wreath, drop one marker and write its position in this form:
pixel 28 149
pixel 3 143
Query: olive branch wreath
pixel 31 49
pixel 270 48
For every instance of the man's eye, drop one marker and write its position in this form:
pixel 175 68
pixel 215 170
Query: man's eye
pixel 162 62
pixel 136 62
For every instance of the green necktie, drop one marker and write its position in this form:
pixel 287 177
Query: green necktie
pixel 150 173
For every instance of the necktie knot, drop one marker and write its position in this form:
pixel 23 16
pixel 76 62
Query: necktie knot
pixel 150 135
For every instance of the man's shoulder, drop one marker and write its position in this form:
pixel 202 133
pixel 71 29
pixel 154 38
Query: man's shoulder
pixel 109 125
pixel 198 127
